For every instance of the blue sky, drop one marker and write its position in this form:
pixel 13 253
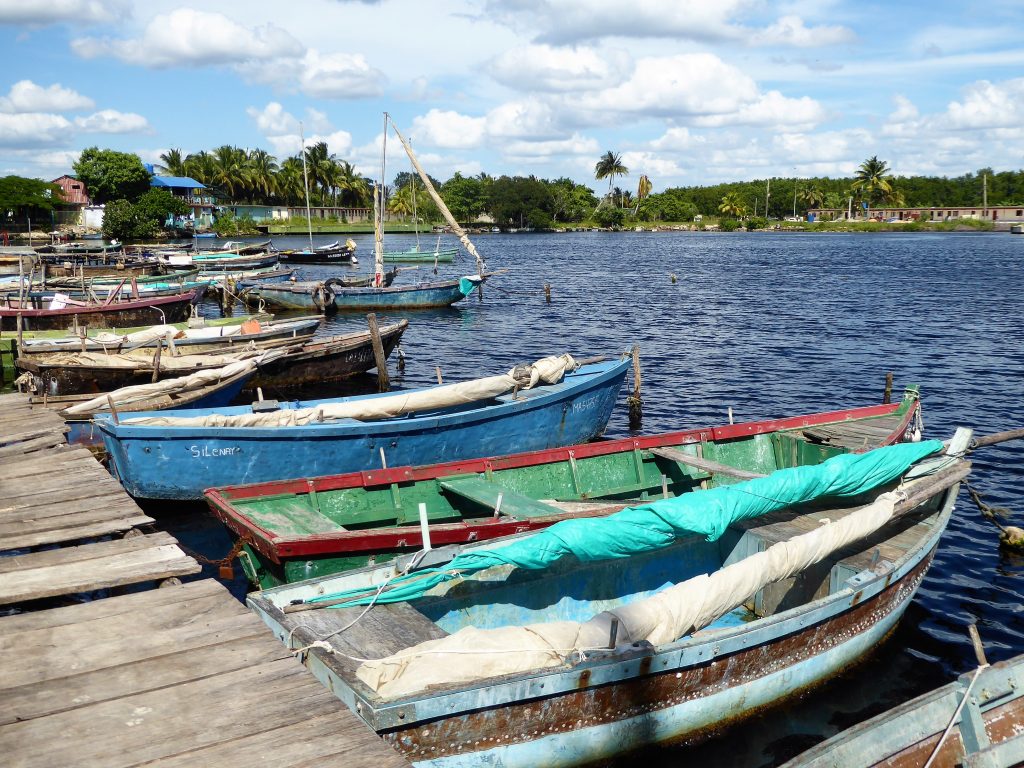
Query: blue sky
pixel 689 91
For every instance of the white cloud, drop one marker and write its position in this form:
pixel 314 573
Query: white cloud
pixel 33 129
pixel 684 85
pixel 838 149
pixel 790 30
pixel 281 130
pixel 770 109
pixel 339 76
pixel 40 12
pixel 988 105
pixel 526 118
pixel 542 151
pixel 272 120
pixel 652 164
pixel 26 96
pixel 558 69
pixel 112 121
pixel 187 37
pixel 677 139
pixel 447 129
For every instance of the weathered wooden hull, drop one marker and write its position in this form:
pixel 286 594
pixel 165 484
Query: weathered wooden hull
pixel 88 270
pixel 619 700
pixel 373 518
pixel 157 309
pixel 424 295
pixel 988 731
pixel 309 296
pixel 82 431
pixel 181 462
pixel 326 360
pixel 443 256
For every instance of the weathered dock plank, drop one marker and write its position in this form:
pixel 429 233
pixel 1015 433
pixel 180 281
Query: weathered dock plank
pixel 183 675
pixel 92 566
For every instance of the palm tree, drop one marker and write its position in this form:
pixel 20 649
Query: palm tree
pixel 172 163
pixel 200 166
pixel 262 172
pixel 289 182
pixel 812 195
pixel 732 205
pixel 608 167
pixel 643 189
pixel 355 190
pixel 401 202
pixel 872 181
pixel 230 170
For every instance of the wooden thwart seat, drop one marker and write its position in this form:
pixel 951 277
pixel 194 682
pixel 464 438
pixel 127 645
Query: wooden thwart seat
pixel 707 465
pixel 476 489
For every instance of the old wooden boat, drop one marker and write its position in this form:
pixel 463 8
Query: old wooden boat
pixel 252 332
pixel 417 255
pixel 307 294
pixel 87 268
pixel 209 389
pixel 984 711
pixel 334 253
pixel 311 527
pixel 595 637
pixel 168 309
pixel 439 293
pixel 178 456
pixel 304 361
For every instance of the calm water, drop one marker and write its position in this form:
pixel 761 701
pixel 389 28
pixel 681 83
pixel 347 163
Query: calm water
pixel 771 325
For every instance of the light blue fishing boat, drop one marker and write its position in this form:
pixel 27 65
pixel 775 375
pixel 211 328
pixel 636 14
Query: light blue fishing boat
pixel 439 293
pixel 175 455
pixel 661 622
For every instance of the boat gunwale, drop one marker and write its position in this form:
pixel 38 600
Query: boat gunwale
pixel 277 547
pixel 383 427
pixel 113 306
pixel 616 666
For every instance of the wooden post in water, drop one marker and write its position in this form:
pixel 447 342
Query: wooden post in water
pixel 156 360
pixel 547 292
pixel 887 395
pixel 439 380
pixel 635 402
pixel 383 382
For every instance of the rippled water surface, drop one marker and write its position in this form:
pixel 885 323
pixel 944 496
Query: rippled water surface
pixel 771 325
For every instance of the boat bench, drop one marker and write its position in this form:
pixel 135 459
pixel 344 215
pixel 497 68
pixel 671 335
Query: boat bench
pixel 474 488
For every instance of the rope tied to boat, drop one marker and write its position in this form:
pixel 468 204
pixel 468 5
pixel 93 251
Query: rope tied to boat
pixel 1010 536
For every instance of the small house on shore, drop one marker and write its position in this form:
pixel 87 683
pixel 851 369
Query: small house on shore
pixel 993 213
pixel 193 193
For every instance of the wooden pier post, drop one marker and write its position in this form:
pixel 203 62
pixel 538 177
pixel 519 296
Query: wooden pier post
pixel 547 292
pixel 887 395
pixel 383 382
pixel 635 402
pixel 439 380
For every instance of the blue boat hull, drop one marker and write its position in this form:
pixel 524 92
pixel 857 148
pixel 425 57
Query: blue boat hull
pixel 436 294
pixel 181 462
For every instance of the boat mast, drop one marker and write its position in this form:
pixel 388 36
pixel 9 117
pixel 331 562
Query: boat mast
pixel 458 230
pixel 378 213
pixel 305 187
pixel 415 218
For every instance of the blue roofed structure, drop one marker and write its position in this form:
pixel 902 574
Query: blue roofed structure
pixel 193 193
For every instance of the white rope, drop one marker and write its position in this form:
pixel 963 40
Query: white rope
pixel 956 715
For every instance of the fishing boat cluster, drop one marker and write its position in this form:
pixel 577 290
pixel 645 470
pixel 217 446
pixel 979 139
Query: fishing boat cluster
pixel 469 566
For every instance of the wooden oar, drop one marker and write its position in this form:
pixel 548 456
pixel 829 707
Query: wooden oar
pixel 997 437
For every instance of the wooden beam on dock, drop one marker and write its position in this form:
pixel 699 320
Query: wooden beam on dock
pixel 179 676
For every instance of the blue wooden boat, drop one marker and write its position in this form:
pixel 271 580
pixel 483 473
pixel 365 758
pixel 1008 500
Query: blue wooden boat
pixel 315 295
pixel 986 733
pixel 175 459
pixel 501 653
pixel 440 293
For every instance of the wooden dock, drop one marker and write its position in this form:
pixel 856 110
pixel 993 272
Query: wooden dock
pixel 181 675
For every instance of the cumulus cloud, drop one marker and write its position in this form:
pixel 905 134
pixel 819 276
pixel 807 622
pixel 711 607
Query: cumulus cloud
pixel 677 139
pixel 187 37
pixel 448 129
pixel 339 76
pixel 770 109
pixel 112 121
pixel 281 129
pixel 26 96
pixel 790 30
pixel 652 164
pixel 33 129
pixel 988 105
pixel 571 21
pixel 526 118
pixel 560 69
pixel 542 151
pixel 41 12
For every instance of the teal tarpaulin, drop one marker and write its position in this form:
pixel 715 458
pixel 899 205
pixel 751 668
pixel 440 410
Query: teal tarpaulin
pixel 650 526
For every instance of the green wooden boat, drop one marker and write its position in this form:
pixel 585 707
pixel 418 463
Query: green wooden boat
pixel 417 256
pixel 306 528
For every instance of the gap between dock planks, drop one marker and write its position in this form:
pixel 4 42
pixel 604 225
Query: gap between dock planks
pixel 178 676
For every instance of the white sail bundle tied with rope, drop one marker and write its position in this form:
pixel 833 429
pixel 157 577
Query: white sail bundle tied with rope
pixel 476 654
pixel 127 396
pixel 547 370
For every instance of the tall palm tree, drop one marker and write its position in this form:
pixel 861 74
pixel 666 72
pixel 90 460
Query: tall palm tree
pixel 812 195
pixel 230 170
pixel 355 190
pixel 608 167
pixel 289 181
pixel 200 166
pixel 172 163
pixel 643 189
pixel 872 181
pixel 732 205
pixel 262 172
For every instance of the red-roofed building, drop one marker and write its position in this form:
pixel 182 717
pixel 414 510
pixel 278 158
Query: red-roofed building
pixel 73 191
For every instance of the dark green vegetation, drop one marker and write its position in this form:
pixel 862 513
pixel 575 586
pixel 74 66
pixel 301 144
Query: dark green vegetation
pixel 23 199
